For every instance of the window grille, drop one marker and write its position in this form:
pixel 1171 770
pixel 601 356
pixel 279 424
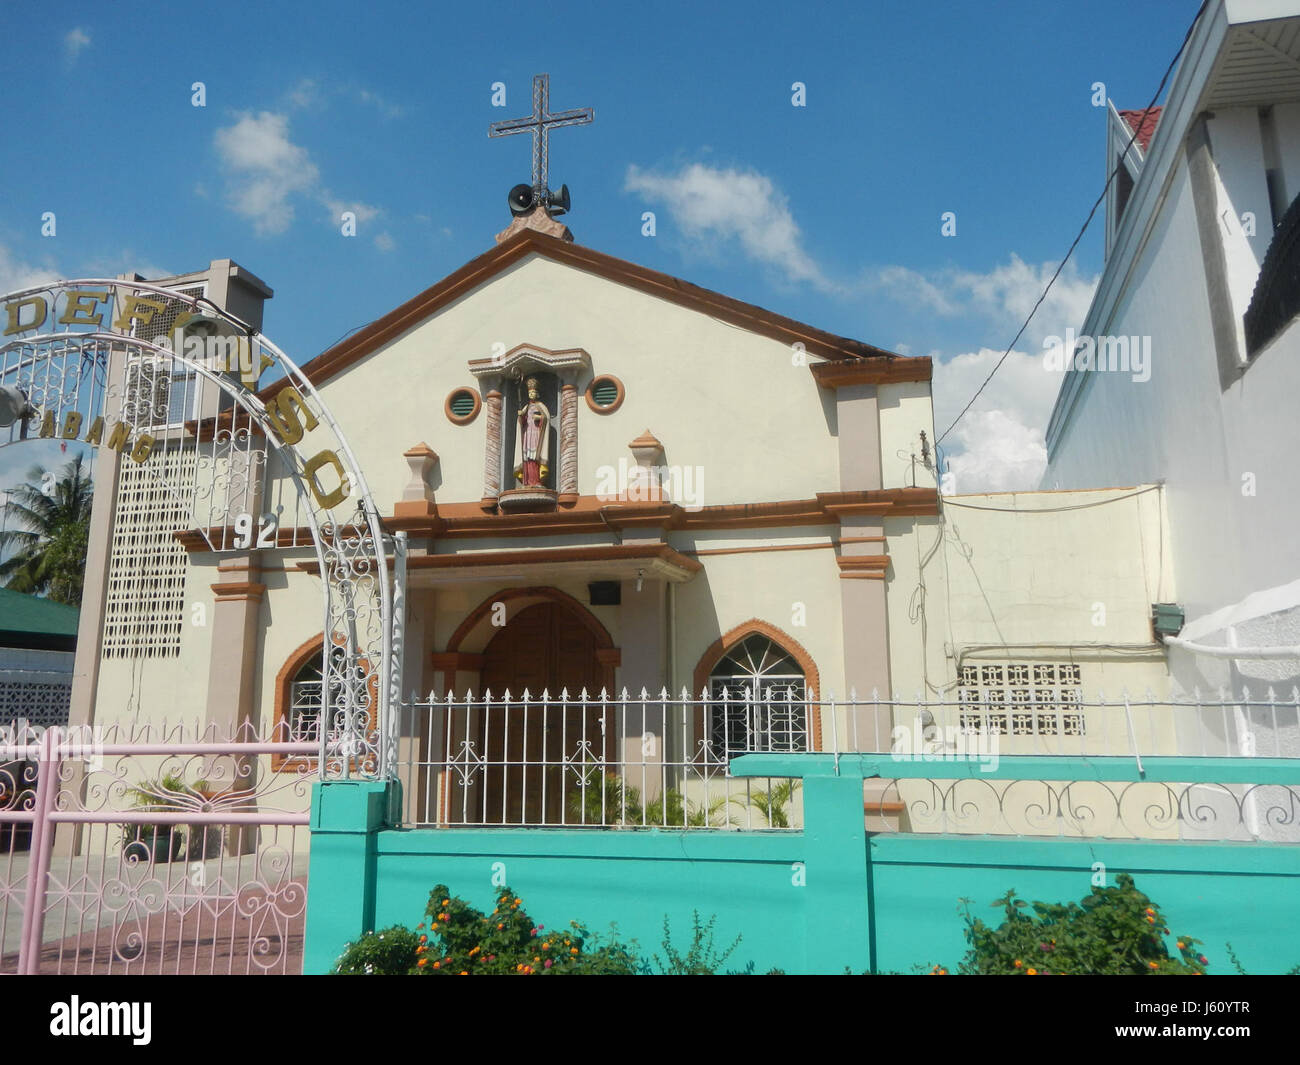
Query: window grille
pixel 161 323
pixel 160 391
pixel 148 391
pixel 144 612
pixel 305 695
pixel 757 698
pixel 1021 699
pixel 305 702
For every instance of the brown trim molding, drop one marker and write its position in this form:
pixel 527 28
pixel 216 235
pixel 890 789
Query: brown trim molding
pixel 886 502
pixel 238 591
pixel 863 567
pixel 592 514
pixel 704 552
pixel 874 370
pixel 527 242
pixel 796 650
pixel 535 555
pixel 462 419
pixel 591 399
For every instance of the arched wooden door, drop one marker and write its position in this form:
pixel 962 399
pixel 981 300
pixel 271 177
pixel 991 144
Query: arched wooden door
pixel 544 648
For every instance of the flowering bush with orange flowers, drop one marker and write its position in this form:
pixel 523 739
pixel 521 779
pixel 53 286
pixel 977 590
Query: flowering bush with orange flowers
pixel 459 940
pixel 1115 931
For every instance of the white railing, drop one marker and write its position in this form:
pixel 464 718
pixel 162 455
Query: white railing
pixel 664 761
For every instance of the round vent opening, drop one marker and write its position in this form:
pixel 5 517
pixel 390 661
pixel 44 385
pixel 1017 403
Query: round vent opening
pixel 605 394
pixel 463 406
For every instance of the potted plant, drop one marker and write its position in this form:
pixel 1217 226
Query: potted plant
pixel 156 842
pixel 205 841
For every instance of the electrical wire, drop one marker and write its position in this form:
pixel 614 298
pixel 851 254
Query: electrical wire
pixel 1086 223
pixel 948 502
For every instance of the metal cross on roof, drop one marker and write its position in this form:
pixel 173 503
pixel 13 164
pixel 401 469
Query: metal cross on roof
pixel 539 124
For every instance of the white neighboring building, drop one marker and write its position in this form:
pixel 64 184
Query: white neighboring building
pixel 1203 261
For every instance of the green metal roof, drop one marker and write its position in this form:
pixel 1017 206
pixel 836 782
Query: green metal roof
pixel 30 614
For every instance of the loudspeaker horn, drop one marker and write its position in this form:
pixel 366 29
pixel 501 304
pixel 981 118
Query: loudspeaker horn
pixel 521 199
pixel 13 406
pixel 559 202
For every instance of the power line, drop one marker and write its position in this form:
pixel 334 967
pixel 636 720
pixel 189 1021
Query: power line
pixel 1086 222
pixel 948 502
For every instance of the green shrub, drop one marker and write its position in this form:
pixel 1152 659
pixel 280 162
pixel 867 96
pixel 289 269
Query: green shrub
pixel 773 802
pixel 702 958
pixel 1116 931
pixel 391 952
pixel 610 803
pixel 672 810
pixel 460 940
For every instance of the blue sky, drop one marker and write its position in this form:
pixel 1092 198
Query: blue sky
pixel 829 213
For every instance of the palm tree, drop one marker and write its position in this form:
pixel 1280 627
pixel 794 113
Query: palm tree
pixel 49 549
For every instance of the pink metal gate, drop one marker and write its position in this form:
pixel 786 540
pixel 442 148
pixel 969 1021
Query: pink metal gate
pixel 152 850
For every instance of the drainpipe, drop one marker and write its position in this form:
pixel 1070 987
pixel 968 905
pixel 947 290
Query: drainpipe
pixel 1214 651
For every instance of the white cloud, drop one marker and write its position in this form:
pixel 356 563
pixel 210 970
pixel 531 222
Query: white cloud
pixel 266 172
pixel 305 94
pixel 908 286
pixel 265 169
pixel 386 110
pixel 1009 292
pixel 75 41
pixel 1022 387
pixel 1004 295
pixel 364 212
pixel 16 275
pixel 999 454
pixel 713 204
pixel 999 444
pixel 384 241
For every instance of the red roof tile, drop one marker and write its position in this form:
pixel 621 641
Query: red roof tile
pixel 1145 128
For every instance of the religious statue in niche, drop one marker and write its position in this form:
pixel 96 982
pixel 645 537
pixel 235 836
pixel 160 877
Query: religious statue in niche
pixel 533 441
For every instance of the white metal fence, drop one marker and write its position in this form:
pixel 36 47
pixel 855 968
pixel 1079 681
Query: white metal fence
pixel 646 761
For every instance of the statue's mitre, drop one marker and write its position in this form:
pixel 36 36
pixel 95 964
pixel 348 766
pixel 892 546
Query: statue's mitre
pixel 531 382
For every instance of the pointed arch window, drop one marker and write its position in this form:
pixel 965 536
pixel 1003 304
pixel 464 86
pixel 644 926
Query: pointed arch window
pixel 300 684
pixel 758 696
pixel 305 700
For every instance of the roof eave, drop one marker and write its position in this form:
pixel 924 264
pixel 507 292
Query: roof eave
pixel 371 338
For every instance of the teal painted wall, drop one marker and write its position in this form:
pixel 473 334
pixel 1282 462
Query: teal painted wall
pixel 629 878
pixel 815 901
pixel 1239 893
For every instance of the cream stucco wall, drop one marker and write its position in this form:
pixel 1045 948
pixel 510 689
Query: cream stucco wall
pixel 905 412
pixel 160 689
